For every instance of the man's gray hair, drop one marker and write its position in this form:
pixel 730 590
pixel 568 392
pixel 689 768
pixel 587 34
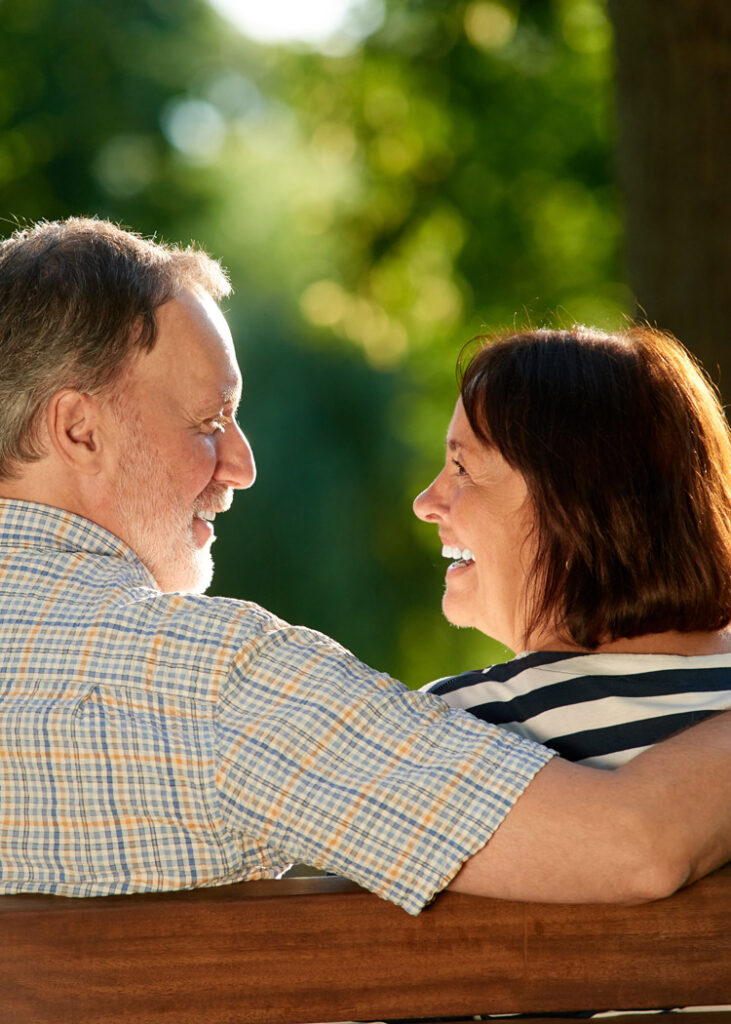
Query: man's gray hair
pixel 77 300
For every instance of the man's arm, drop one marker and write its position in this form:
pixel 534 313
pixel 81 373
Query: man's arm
pixel 627 836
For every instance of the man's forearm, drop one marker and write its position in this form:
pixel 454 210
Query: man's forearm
pixel 684 785
pixel 635 834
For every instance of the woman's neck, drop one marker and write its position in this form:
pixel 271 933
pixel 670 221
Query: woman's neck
pixel 672 642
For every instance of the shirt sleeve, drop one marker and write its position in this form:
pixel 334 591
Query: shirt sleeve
pixel 338 766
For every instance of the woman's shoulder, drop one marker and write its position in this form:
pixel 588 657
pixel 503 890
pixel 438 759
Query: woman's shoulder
pixel 533 669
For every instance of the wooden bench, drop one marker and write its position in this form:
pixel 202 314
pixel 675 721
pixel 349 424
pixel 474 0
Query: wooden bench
pixel 321 949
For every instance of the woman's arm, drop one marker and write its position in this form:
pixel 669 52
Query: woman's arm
pixel 635 834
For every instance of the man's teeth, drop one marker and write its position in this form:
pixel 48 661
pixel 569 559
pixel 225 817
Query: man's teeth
pixel 457 554
pixel 208 516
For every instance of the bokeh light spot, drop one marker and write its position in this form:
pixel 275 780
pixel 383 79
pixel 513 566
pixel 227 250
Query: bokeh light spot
pixel 195 128
pixel 489 25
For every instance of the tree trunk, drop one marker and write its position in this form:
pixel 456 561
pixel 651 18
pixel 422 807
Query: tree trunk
pixel 674 150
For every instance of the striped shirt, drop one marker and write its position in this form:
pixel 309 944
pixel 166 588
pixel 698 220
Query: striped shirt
pixel 155 741
pixel 598 709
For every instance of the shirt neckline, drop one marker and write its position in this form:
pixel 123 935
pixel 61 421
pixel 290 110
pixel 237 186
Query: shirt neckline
pixel 35 525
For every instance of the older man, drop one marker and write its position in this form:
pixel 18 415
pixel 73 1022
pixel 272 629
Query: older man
pixel 153 738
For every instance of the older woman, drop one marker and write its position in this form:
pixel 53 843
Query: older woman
pixel 585 509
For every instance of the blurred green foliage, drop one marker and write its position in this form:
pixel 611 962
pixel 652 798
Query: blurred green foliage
pixel 451 173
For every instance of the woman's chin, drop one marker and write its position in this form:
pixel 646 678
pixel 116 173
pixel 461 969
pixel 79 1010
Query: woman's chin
pixel 455 613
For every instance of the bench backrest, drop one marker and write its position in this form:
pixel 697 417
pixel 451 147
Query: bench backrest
pixel 321 949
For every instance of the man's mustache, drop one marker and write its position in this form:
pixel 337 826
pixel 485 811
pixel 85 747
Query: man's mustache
pixel 216 498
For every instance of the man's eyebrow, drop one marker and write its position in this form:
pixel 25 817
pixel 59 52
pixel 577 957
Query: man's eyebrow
pixel 232 395
pixel 217 400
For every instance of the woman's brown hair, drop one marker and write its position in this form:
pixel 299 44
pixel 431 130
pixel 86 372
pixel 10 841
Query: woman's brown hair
pixel 627 456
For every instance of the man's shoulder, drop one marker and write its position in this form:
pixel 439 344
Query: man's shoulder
pixel 195 623
pixel 213 633
pixel 199 612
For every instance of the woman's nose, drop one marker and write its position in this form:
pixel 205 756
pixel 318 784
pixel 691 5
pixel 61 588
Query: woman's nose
pixel 427 505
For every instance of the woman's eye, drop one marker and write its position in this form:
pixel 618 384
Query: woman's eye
pixel 461 471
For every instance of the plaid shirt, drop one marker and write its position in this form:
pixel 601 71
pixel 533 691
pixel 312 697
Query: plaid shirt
pixel 156 741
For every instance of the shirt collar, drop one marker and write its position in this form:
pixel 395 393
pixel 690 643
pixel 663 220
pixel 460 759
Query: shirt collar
pixel 32 525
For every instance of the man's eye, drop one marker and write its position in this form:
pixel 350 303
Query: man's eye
pixel 211 426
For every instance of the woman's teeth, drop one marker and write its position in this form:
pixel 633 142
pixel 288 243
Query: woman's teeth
pixel 457 554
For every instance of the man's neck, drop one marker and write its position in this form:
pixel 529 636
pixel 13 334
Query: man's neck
pixel 45 483
pixel 31 487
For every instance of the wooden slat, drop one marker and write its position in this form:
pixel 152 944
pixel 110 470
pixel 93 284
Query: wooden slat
pixel 692 1017
pixel 321 949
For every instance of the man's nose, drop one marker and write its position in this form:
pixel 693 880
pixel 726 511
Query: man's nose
pixel 236 465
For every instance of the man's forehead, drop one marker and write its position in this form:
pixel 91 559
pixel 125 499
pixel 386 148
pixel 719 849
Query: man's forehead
pixel 193 357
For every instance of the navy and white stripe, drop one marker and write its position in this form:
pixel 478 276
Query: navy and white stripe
pixel 596 709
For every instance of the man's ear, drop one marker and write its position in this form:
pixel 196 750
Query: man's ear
pixel 75 429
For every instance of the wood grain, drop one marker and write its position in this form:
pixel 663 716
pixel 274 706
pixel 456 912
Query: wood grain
pixel 322 949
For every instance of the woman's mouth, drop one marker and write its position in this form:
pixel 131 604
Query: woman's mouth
pixel 458 556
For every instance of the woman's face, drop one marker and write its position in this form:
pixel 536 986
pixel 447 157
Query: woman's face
pixel 482 508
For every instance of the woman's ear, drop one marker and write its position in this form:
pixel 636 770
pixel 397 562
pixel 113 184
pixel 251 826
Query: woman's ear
pixel 75 429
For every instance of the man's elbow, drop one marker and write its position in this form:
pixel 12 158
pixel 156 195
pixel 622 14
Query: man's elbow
pixel 651 882
pixel 652 869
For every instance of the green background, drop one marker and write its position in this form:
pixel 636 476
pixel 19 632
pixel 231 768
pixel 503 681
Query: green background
pixel 451 172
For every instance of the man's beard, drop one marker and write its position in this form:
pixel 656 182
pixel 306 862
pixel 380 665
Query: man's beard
pixel 159 531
